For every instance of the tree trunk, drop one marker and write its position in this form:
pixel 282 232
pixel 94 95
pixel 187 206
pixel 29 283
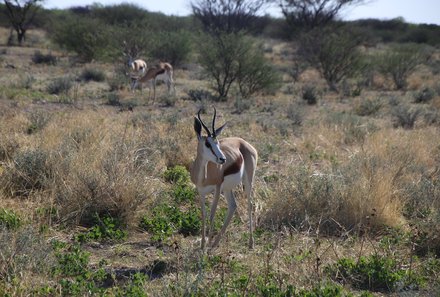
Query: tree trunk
pixel 21 36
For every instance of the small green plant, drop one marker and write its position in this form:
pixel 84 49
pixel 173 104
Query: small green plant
pixel 375 272
pixel 199 95
pixel 92 74
pixel 105 229
pixel 61 85
pixel 38 120
pixel 161 222
pixel 177 175
pixel 72 262
pixel 9 219
pixel 113 99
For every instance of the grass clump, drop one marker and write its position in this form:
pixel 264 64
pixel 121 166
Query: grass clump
pixel 61 85
pixel 92 74
pixel 40 58
pixel 368 107
pixel 9 219
pixel 404 116
pixel 424 96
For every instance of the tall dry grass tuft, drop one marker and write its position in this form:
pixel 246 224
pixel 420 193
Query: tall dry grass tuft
pixel 365 188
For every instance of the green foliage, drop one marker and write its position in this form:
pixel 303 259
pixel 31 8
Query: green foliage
pixel 400 61
pixel 105 229
pixel 177 175
pixel 72 262
pixel 334 52
pixel 199 95
pixel 171 46
pixel 38 120
pixel 40 58
pixel 92 74
pixel 230 58
pixel 161 223
pixel 87 37
pixel 60 85
pixel 375 272
pixel 9 219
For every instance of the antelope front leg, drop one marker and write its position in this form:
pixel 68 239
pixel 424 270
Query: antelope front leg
pixel 232 206
pixel 212 213
pixel 203 207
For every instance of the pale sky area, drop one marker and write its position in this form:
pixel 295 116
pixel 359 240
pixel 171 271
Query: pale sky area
pixel 413 11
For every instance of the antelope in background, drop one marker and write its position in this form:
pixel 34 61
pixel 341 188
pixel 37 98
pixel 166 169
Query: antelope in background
pixel 219 167
pixel 162 71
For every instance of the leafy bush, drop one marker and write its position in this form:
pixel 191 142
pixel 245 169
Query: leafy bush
pixel 177 175
pixel 230 58
pixel 60 85
pixel 9 219
pixel 92 74
pixel 88 37
pixel 400 61
pixel 40 58
pixel 375 272
pixel 105 229
pixel 173 47
pixel 334 52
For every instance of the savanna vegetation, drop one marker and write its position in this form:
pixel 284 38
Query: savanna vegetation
pixel 95 194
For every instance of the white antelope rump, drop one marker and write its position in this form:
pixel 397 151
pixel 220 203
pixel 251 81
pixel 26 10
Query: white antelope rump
pixel 219 167
pixel 162 71
pixel 137 66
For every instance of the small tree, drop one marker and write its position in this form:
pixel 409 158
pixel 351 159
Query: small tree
pixel 21 13
pixel 309 14
pixel 226 16
pixel 334 52
pixel 400 61
pixel 233 58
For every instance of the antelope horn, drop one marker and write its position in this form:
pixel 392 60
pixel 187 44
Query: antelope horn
pixel 213 122
pixel 203 124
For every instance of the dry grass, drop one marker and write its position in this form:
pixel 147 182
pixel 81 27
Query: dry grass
pixel 320 183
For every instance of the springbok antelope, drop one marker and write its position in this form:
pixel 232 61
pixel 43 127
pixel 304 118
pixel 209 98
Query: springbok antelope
pixel 162 71
pixel 219 167
pixel 137 66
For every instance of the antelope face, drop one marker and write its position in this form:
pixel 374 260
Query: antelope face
pixel 208 146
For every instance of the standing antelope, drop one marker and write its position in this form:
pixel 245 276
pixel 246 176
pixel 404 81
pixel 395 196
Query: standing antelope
pixel 137 66
pixel 219 167
pixel 162 71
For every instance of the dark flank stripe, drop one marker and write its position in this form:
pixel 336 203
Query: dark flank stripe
pixel 160 71
pixel 234 167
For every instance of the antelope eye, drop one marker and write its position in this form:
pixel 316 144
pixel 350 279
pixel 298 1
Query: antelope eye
pixel 208 145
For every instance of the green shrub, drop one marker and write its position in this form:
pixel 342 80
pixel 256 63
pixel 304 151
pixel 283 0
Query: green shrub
pixel 173 46
pixel 377 273
pixel 61 85
pixel 400 61
pixel 334 52
pixel 40 58
pixel 92 74
pixel 199 95
pixel 105 229
pixel 9 219
pixel 230 58
pixel 404 116
pixel 177 175
pixel 424 96
pixel 368 107
pixel 38 120
pixel 161 222
pixel 88 37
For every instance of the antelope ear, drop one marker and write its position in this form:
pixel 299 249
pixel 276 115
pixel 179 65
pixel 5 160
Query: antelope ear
pixel 218 131
pixel 198 128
